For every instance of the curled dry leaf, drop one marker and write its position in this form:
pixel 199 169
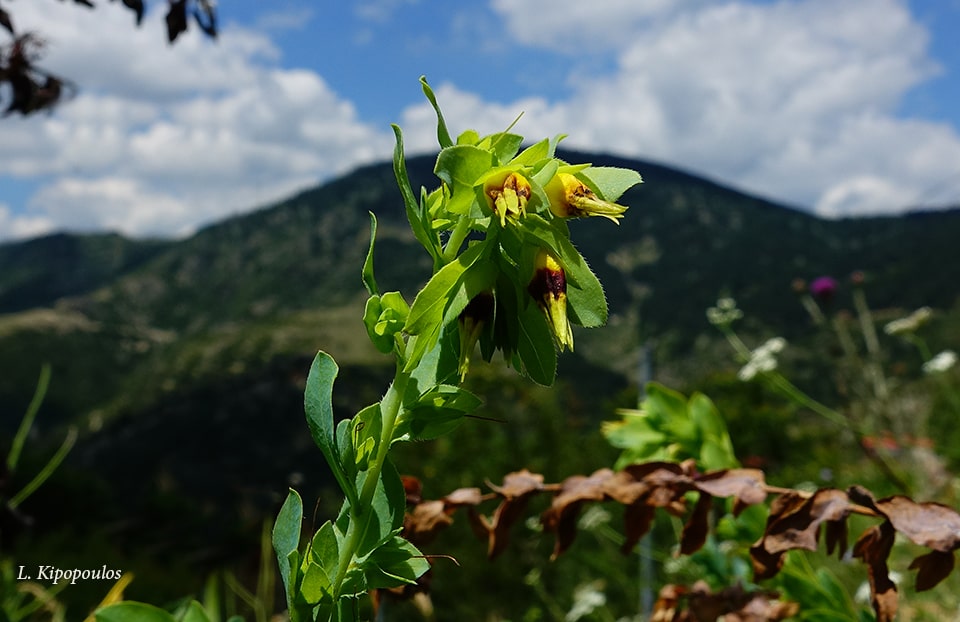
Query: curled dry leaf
pixel 746 486
pixel 677 603
pixel 561 517
pixel 794 523
pixel 516 491
pixel 874 548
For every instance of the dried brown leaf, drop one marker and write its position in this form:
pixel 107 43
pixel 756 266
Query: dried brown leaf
pixel 932 568
pixel 561 517
pixel 426 520
pixel 698 526
pixel 413 489
pixel 835 535
pixel 637 519
pixel 516 491
pixel 746 485
pixel 463 497
pixel 519 484
pixel 873 547
pixel 932 525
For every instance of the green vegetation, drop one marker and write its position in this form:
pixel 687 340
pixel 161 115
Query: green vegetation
pixel 183 366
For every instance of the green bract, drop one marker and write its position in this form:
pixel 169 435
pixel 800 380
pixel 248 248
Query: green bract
pixel 503 263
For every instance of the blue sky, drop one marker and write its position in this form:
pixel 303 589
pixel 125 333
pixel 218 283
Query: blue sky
pixel 841 108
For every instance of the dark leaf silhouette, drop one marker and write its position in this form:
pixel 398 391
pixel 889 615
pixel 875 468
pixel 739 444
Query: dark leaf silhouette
pixel 932 568
pixel 561 518
pixel 698 526
pixel 874 548
pixel 176 19
pixel 206 18
pixel 137 7
pixel 6 22
pixel 32 89
pixel 516 491
pixel 794 523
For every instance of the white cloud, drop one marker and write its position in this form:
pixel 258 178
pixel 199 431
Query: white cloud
pixel 163 138
pixel 795 100
pixel 572 26
pixel 13 227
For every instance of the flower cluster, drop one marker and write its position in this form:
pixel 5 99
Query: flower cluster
pixel 909 324
pixel 762 359
pixel 725 313
pixel 940 363
pixel 506 276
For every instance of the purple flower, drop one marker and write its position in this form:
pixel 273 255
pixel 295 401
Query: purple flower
pixel 823 288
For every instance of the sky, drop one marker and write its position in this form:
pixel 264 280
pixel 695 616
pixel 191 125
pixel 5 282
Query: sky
pixel 838 107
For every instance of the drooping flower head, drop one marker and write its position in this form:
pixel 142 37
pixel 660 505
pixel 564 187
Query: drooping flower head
pixel 474 317
pixel 571 198
pixel 549 288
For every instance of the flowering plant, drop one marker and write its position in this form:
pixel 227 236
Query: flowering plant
pixel 506 276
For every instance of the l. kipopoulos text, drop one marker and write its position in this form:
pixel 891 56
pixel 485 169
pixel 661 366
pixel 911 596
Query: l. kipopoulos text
pixel 56 575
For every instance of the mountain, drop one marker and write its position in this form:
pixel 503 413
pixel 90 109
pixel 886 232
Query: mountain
pixel 38 271
pixel 183 362
pixel 146 317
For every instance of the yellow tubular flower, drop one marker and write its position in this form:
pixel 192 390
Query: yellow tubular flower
pixel 549 288
pixel 571 198
pixel 508 197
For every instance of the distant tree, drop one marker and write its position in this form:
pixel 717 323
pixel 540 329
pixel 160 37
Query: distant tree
pixel 32 88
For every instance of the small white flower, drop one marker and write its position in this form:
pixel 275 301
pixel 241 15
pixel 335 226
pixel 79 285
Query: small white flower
pixel 726 312
pixel 762 359
pixel 587 598
pixel 940 363
pixel 909 324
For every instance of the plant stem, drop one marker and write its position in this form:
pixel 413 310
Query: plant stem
pixel 360 511
pixel 457 237
pixel 27 422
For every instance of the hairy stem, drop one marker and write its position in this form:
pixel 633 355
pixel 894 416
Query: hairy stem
pixel 389 411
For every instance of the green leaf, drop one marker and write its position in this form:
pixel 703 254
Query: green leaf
pixel 395 563
pixel 371 315
pixel 429 305
pixel 610 182
pixel 533 154
pixel 443 136
pixel 705 415
pixel 321 570
pixel 384 516
pixel 502 145
pixel 436 413
pixel 367 273
pixel 316 586
pixel 193 612
pixel 416 214
pixel 129 611
pixel 318 405
pixel 463 165
pixel 13 457
pixel 663 404
pixel 286 538
pixel 438 365
pixel 365 432
pixel 535 347
pixel 468 137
